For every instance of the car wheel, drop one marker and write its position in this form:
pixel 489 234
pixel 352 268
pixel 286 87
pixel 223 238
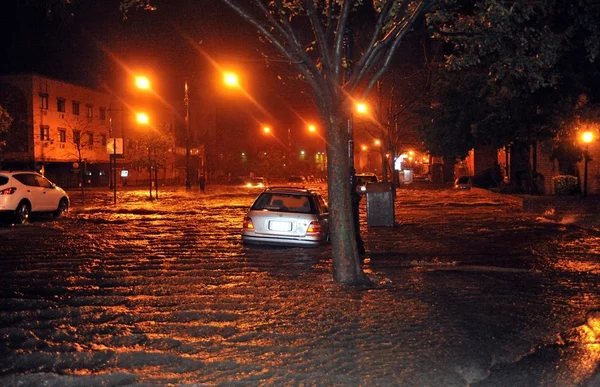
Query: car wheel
pixel 63 206
pixel 22 213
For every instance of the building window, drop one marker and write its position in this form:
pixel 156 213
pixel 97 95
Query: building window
pixel 90 141
pixel 44 101
pixel 62 135
pixel 90 112
pixel 75 108
pixel 102 113
pixel 61 105
pixel 44 133
pixel 103 140
pixel 76 137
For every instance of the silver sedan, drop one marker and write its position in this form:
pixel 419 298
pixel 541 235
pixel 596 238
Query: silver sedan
pixel 287 216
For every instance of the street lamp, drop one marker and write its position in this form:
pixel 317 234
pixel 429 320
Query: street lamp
pixel 587 137
pixel 142 82
pixel 186 100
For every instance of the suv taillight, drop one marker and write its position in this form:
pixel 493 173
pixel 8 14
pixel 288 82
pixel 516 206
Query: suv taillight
pixel 248 225
pixel 314 228
pixel 8 191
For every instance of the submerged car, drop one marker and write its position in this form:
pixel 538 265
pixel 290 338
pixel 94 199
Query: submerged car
pixel 256 182
pixel 287 216
pixel 24 193
pixel 297 180
pixel 463 182
pixel 362 179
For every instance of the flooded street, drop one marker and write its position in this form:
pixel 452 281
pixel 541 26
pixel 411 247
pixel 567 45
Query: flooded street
pixel 470 291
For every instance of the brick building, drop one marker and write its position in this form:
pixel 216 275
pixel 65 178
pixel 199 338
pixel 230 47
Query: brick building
pixel 62 130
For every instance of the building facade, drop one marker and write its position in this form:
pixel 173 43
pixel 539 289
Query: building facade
pixel 58 128
pixel 67 132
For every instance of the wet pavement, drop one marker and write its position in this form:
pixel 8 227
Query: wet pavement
pixel 470 291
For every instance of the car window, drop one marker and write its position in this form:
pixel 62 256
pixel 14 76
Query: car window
pixel 3 180
pixel 322 204
pixel 27 179
pixel 43 182
pixel 463 180
pixel 284 203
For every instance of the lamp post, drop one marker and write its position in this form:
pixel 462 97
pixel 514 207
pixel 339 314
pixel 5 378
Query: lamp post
pixel 188 182
pixel 587 137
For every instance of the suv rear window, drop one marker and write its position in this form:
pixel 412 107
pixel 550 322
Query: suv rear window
pixel 3 180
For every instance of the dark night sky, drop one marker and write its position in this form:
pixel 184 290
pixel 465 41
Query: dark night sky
pixel 91 43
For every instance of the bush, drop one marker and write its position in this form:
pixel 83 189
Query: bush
pixel 565 185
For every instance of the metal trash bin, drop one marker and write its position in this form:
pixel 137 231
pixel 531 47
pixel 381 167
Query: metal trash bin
pixel 380 205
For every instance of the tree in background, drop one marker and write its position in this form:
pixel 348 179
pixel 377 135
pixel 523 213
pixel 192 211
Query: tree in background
pixel 5 121
pixel 78 132
pixel 151 150
pixel 527 64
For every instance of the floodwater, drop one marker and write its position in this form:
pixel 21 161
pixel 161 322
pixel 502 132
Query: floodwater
pixel 470 291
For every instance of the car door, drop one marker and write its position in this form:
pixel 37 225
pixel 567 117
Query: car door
pixel 33 191
pixel 323 212
pixel 49 195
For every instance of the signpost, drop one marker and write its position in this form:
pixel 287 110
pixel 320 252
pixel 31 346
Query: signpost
pixel 114 147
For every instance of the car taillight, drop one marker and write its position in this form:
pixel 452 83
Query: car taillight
pixel 8 191
pixel 314 228
pixel 248 225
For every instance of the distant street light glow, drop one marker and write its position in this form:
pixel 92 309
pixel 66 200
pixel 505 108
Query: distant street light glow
pixel 266 129
pixel 587 137
pixel 142 82
pixel 231 79
pixel 312 128
pixel 361 108
pixel 142 118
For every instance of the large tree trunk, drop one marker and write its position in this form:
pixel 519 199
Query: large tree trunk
pixel 347 267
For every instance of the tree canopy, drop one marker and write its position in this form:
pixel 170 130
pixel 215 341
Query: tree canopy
pixel 532 62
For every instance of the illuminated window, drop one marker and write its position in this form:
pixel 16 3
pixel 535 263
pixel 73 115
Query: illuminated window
pixel 76 137
pixel 44 133
pixel 44 101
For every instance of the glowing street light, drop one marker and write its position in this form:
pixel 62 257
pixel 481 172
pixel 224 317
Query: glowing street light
pixel 377 142
pixel 142 118
pixel 362 108
pixel 586 137
pixel 266 129
pixel 231 79
pixel 312 128
pixel 142 82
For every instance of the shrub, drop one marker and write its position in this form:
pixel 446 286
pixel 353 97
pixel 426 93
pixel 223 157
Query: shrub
pixel 565 185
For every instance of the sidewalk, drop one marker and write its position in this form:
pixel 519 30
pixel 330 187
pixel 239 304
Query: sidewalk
pixel 573 210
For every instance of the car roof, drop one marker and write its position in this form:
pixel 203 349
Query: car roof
pixel 12 172
pixel 290 190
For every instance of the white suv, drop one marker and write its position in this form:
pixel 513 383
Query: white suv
pixel 26 192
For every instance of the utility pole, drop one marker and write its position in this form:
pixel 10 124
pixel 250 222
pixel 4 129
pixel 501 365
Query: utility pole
pixel 188 182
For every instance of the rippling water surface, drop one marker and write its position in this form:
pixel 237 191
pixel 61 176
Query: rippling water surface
pixel 469 291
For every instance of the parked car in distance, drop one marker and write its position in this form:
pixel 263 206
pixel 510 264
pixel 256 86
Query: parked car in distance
pixel 297 180
pixel 23 193
pixel 256 182
pixel 287 216
pixel 463 182
pixel 362 179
